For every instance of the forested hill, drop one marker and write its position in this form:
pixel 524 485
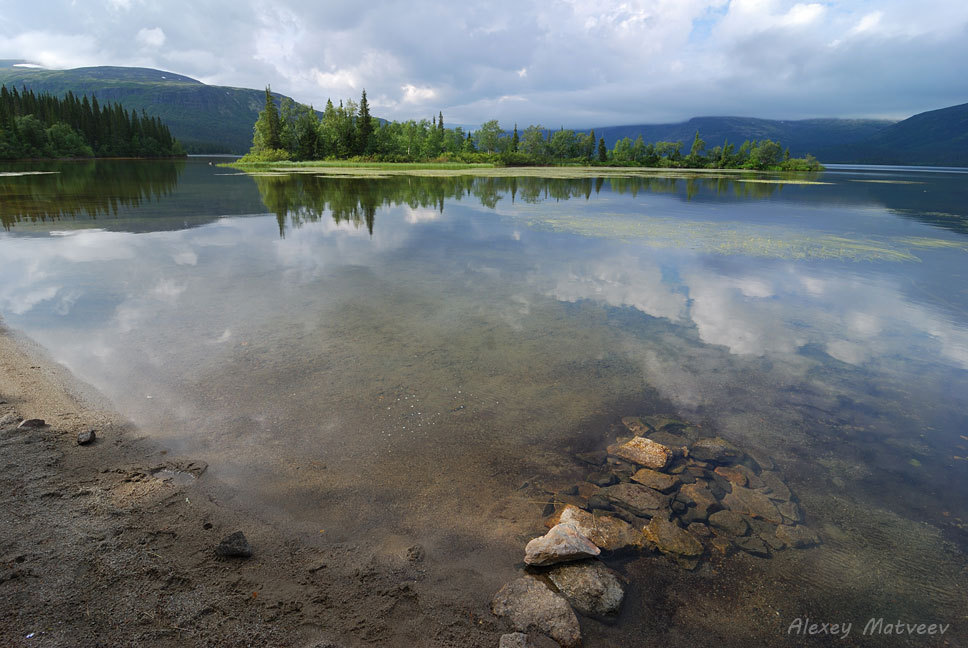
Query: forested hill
pixel 802 136
pixel 933 138
pixel 204 118
pixel 44 126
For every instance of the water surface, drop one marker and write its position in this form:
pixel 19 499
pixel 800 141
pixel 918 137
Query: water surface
pixel 397 357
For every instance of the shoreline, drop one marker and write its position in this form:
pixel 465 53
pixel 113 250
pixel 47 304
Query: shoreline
pixel 113 543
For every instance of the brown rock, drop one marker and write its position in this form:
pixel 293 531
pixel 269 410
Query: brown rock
pixel 637 499
pixel 635 425
pixel 752 479
pixel 32 423
pixel 607 532
pixel 730 522
pixel 752 503
pixel 530 606
pixel 562 543
pixel 722 545
pixel 654 479
pixel 790 511
pixel 699 530
pixel 715 449
pixel 670 538
pixel 774 487
pixel 698 496
pixel 732 474
pixel 644 452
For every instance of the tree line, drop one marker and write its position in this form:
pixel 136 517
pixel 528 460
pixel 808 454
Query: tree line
pixel 348 132
pixel 45 126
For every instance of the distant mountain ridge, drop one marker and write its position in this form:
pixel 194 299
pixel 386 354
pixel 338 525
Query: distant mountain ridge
pixel 204 118
pixel 933 138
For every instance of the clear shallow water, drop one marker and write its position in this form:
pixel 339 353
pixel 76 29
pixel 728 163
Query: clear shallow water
pixel 395 356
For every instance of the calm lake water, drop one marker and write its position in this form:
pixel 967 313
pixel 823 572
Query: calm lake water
pixel 393 358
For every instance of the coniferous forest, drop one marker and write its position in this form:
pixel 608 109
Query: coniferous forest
pixel 44 126
pixel 348 132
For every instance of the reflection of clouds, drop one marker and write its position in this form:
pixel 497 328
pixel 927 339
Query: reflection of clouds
pixel 421 215
pixel 625 281
pixel 764 308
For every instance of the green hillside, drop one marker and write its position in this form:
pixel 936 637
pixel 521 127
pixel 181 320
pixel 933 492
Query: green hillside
pixel 933 138
pixel 204 118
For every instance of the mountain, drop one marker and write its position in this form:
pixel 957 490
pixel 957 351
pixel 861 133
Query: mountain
pixel 802 136
pixel 933 138
pixel 204 118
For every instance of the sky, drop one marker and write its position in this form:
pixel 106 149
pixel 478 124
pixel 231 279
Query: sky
pixel 571 63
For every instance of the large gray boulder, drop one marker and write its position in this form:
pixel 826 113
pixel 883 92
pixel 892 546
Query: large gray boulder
pixel 530 606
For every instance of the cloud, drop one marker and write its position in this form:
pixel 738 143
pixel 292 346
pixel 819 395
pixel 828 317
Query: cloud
pixel 151 37
pixel 571 63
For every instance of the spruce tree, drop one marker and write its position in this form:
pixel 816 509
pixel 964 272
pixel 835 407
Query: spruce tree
pixel 602 151
pixel 364 127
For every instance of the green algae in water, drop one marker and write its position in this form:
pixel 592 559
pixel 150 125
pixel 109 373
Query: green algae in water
pixel 724 238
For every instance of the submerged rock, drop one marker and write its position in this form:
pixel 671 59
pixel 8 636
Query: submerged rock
pixel 603 479
pixel 562 543
pixel 753 545
pixel 594 458
pixel 790 511
pixel 670 538
pixel 636 426
pixel 730 522
pixel 774 487
pixel 753 504
pixel 797 536
pixel 592 588
pixel 656 480
pixel 32 424
pixel 607 532
pixel 644 452
pixel 637 499
pixel 715 449
pixel 530 606
pixel 732 474
pixel 699 498
pixel 234 545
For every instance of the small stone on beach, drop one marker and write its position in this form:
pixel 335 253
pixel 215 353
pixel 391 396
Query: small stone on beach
pixel 87 437
pixel 234 545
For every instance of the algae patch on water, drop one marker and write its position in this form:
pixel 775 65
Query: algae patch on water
pixel 723 238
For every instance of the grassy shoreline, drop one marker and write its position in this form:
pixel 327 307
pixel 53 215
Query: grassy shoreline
pixel 371 169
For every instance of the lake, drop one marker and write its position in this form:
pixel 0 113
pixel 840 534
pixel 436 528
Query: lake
pixel 423 358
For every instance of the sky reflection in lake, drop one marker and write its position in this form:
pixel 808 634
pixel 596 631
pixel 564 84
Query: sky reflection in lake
pixel 407 330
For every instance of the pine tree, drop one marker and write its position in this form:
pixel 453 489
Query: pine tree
pixel 602 151
pixel 364 127
pixel 515 140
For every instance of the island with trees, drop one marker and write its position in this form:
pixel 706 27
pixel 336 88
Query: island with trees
pixel 347 132
pixel 42 125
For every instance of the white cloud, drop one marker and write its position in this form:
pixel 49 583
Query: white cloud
pixel 154 37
